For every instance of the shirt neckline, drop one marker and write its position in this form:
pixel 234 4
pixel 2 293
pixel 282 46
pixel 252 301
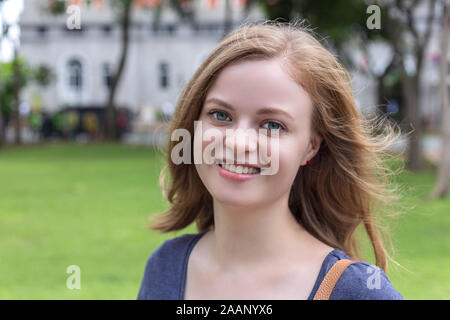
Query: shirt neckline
pixel 197 237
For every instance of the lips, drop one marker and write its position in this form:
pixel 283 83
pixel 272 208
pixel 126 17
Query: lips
pixel 218 161
pixel 234 176
pixel 239 169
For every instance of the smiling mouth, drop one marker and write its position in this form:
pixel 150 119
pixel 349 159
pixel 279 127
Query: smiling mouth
pixel 241 169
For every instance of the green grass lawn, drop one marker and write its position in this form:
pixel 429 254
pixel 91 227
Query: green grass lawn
pixel 88 205
pixel 422 240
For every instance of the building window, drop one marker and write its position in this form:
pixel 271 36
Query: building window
pixel 75 72
pixel 42 30
pixel 107 75
pixel 106 28
pixel 164 75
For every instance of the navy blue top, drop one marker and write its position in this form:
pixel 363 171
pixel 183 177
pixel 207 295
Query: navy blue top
pixel 165 274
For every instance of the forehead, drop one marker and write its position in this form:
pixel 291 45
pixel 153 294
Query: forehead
pixel 252 84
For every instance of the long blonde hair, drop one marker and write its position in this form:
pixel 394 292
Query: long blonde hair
pixel 345 181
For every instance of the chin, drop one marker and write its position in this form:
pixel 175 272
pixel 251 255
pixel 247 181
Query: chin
pixel 237 198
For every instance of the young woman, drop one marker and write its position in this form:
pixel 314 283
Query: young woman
pixel 271 236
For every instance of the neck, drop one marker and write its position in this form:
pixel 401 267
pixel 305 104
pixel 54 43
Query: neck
pixel 253 236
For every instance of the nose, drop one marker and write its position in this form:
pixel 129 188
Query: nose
pixel 241 141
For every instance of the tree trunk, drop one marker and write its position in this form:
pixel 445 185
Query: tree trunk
pixel 381 101
pixel 2 136
pixel 228 19
pixel 380 93
pixel 411 94
pixel 111 127
pixel 443 174
pixel 397 32
pixel 16 100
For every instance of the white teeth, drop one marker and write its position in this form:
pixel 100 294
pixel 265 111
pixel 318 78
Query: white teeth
pixel 239 169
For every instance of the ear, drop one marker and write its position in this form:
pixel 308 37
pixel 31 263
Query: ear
pixel 314 146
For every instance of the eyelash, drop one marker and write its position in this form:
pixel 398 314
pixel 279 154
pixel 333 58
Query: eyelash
pixel 217 111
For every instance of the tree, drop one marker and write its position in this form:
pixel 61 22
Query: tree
pixel 338 23
pixel 333 20
pixel 18 80
pixel 14 76
pixel 123 10
pixel 4 30
pixel 401 23
pixel 443 176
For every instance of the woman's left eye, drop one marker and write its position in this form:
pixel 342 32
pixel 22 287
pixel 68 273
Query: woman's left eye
pixel 278 126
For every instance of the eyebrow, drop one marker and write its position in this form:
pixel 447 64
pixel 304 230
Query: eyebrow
pixel 264 110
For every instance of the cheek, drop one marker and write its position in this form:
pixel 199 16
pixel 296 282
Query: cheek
pixel 290 157
pixel 210 143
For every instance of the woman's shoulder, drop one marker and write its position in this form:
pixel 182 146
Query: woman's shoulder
pixel 362 281
pixel 165 267
pixel 174 245
pixel 171 250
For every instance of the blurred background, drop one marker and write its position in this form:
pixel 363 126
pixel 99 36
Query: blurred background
pixel 87 89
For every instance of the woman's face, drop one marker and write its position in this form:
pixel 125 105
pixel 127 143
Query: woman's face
pixel 234 102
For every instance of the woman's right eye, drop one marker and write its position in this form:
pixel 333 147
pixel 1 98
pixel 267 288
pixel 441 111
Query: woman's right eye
pixel 221 116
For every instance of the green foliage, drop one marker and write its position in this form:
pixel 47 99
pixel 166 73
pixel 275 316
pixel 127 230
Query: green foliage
pixel 57 6
pixel 35 119
pixel 332 18
pixel 43 75
pixel 58 122
pixel 119 7
pixel 184 9
pixel 71 120
pixel 6 98
pixel 15 75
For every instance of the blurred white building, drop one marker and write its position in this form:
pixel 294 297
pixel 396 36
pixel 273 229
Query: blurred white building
pixel 160 60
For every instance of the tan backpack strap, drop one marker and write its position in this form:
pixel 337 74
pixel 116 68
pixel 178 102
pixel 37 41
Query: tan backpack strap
pixel 330 279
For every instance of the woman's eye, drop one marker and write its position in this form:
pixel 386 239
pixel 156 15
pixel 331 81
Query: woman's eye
pixel 275 125
pixel 221 116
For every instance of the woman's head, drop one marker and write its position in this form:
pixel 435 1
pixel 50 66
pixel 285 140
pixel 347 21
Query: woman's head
pixel 237 106
pixel 282 66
